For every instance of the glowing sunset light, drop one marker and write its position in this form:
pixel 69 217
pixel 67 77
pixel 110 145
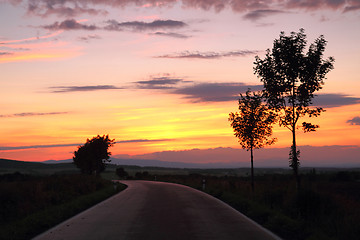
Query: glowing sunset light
pixel 32 38
pixel 161 76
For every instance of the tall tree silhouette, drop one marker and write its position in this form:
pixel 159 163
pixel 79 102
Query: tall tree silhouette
pixel 252 125
pixel 92 156
pixel 290 78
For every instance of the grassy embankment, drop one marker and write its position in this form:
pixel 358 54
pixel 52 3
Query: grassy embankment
pixel 31 204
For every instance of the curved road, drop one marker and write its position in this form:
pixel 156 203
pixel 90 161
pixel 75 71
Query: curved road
pixel 161 211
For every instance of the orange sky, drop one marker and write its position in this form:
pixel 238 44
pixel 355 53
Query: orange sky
pixel 158 77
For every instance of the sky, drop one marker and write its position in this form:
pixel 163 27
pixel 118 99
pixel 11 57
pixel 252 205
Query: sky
pixel 159 76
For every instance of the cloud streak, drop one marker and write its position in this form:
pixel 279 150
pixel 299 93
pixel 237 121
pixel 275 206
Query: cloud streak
pixel 5 148
pixel 261 13
pixel 31 114
pixel 165 82
pixel 208 55
pixel 215 92
pixel 332 100
pixel 5 53
pixel 71 8
pixel 171 34
pixel 354 121
pixel 65 89
pixel 70 24
pixel 113 25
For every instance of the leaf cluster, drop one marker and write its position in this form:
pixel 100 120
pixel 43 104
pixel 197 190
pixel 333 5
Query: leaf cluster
pixel 253 123
pixel 291 77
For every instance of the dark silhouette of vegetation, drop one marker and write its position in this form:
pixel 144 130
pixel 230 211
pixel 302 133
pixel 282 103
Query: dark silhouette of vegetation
pixel 32 204
pixel 252 125
pixel 326 207
pixel 93 155
pixel 121 173
pixel 290 78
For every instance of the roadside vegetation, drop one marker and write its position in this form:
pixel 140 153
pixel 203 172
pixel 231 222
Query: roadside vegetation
pixel 327 207
pixel 31 204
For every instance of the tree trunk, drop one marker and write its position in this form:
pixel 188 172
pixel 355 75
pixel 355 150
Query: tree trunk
pixel 252 170
pixel 295 160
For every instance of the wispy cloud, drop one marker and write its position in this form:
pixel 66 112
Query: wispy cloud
pixel 6 148
pixel 71 8
pixel 331 100
pixel 64 89
pixel 89 37
pixel 261 13
pixel 144 140
pixel 354 121
pixel 54 34
pixel 36 146
pixel 5 53
pixel 208 55
pixel 215 92
pixel 352 8
pixel 67 8
pixel 171 34
pixel 163 82
pixel 114 25
pixel 69 24
pixel 31 114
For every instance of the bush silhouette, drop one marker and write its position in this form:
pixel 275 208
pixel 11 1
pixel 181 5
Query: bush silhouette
pixel 92 156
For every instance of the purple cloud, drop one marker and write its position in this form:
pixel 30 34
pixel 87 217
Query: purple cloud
pixel 4 148
pixel 330 100
pixel 215 92
pixel 89 37
pixel 31 114
pixel 208 55
pixel 114 25
pixel 354 121
pixel 71 8
pixel 69 24
pixel 5 53
pixel 261 13
pixel 170 34
pixel 65 89
pixel 165 82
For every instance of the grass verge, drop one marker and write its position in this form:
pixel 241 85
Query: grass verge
pixel 40 221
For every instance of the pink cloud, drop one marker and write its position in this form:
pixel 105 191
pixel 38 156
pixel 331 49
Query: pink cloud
pixel 71 8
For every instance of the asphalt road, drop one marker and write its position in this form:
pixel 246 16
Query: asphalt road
pixel 159 211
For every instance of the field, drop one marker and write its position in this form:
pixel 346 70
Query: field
pixel 326 207
pixel 31 204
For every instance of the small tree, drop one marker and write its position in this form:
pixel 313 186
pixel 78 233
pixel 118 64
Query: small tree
pixel 252 125
pixel 92 156
pixel 121 172
pixel 290 79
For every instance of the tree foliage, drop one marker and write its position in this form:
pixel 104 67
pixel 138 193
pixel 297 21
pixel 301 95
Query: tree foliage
pixel 93 155
pixel 252 124
pixel 291 77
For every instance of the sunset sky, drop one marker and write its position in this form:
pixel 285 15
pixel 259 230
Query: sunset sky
pixel 159 75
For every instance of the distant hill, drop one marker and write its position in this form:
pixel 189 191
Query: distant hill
pixel 167 164
pixel 10 166
pixel 310 156
pixel 6 163
pixel 58 161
